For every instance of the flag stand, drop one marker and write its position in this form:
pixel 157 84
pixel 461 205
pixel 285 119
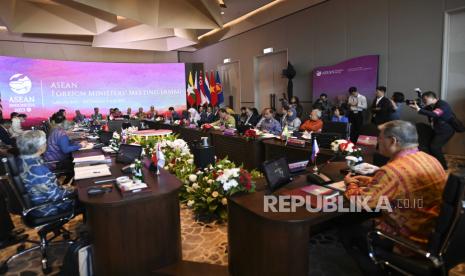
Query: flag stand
pixel 315 167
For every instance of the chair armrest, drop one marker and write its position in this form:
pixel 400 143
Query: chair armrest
pixel 63 200
pixel 401 242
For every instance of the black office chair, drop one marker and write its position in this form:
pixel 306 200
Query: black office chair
pixel 446 245
pixel 44 225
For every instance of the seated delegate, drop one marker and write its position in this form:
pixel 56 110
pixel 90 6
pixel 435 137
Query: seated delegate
pixel 40 184
pixel 194 116
pixel 314 124
pixel 225 120
pixel 268 123
pixel 59 145
pixel 338 115
pixel 410 175
pixel 207 116
pixel 252 117
pixel 290 119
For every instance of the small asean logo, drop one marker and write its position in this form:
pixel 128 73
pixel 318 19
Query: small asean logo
pixel 20 84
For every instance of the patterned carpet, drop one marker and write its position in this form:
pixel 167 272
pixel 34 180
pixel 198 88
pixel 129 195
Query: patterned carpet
pixel 207 243
pixel 204 243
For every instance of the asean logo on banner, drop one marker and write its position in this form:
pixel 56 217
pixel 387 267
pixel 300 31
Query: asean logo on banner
pixel 20 84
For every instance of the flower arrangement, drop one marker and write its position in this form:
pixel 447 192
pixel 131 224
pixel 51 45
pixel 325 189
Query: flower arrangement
pixel 206 127
pixel 250 134
pixel 206 191
pixel 352 154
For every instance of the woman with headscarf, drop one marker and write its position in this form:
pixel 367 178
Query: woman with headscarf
pixel 194 116
pixel 290 119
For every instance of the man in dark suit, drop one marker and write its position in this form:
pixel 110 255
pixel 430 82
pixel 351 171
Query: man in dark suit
pixel 252 117
pixel 381 108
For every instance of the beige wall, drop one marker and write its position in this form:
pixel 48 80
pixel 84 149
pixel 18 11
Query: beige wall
pixel 407 34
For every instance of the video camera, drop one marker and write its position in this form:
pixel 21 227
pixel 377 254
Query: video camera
pixel 418 100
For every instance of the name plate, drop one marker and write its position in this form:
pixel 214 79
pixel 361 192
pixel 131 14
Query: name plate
pixel 296 142
pixel 229 132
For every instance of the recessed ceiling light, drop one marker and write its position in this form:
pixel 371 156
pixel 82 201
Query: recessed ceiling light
pixel 222 12
pixel 242 18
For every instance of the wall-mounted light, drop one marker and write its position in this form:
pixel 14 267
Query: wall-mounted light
pixel 226 60
pixel 268 50
pixel 3 28
pixel 222 12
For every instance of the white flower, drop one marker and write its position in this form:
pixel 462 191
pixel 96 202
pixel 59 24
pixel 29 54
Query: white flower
pixel 190 203
pixel 195 186
pixel 219 166
pixel 207 190
pixel 199 172
pixel 192 178
pixel 230 184
pixel 166 167
pixel 210 181
pixel 190 161
pixel 224 201
pixel 351 158
pixel 215 194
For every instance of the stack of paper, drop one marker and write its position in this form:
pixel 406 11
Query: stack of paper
pixel 339 186
pixel 88 146
pixel 91 171
pixel 91 160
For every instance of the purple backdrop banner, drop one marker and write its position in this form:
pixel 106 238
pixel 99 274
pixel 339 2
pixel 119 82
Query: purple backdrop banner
pixel 335 80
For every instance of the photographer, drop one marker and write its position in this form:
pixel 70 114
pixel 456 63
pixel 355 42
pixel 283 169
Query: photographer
pixel 439 115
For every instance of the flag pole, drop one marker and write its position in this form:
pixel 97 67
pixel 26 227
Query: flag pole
pixel 314 148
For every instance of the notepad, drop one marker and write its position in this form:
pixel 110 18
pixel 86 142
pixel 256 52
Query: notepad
pixel 318 190
pixel 93 158
pixel 91 172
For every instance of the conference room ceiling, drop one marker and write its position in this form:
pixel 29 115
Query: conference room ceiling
pixel 154 25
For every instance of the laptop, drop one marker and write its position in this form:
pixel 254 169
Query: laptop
pixel 128 153
pixel 277 173
pixel 105 137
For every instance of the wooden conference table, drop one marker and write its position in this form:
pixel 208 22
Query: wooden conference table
pixel 136 234
pixel 250 153
pixel 269 243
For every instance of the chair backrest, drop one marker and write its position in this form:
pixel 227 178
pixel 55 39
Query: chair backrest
pixel 115 125
pixel 448 238
pixel 369 130
pixel 16 184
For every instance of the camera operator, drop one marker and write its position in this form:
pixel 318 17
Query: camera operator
pixel 439 114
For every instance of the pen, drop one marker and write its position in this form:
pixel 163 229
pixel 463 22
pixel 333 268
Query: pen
pixel 104 180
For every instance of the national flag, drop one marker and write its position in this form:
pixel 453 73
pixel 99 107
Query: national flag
pixel 315 150
pixel 198 99
pixel 219 88
pixel 213 94
pixel 190 93
pixel 207 87
pixel 201 88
